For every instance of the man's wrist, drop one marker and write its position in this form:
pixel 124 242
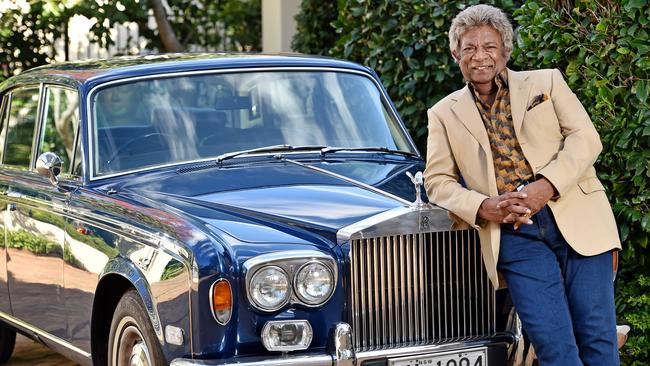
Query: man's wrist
pixel 554 194
pixel 480 220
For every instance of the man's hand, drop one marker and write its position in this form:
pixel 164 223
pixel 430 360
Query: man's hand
pixel 493 208
pixel 538 194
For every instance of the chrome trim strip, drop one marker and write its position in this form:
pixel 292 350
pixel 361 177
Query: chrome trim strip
pixel 375 287
pixel 350 180
pixel 91 170
pixel 54 339
pixel 290 360
pixel 397 221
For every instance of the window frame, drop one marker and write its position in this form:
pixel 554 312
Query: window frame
pixel 5 99
pixel 41 123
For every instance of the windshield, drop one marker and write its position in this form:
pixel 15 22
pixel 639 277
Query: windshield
pixel 175 119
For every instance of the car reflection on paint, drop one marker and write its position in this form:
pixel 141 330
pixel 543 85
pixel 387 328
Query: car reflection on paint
pixel 229 209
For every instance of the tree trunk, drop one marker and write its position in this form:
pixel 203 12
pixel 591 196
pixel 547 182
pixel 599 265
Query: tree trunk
pixel 165 30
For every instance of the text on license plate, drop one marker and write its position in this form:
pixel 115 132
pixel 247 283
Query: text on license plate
pixel 462 357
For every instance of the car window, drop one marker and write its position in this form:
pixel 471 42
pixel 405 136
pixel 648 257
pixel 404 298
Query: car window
pixel 23 109
pixel 173 119
pixel 60 123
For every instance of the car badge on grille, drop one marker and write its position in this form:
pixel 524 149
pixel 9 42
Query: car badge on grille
pixel 417 181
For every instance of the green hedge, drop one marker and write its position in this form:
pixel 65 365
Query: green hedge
pixel 315 33
pixel 603 48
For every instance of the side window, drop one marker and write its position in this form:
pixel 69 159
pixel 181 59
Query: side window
pixel 60 123
pixel 20 126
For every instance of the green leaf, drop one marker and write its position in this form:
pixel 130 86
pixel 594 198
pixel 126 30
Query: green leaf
pixel 623 50
pixel 625 231
pixel 635 4
pixel 645 222
pixel 532 5
pixel 641 87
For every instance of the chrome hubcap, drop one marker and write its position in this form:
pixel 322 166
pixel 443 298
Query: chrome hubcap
pixel 129 347
pixel 139 355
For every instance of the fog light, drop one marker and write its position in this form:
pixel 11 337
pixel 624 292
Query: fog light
pixel 287 335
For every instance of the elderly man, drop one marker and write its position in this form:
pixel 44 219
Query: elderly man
pixel 512 155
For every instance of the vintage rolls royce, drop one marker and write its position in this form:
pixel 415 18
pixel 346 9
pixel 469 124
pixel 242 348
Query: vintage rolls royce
pixel 213 209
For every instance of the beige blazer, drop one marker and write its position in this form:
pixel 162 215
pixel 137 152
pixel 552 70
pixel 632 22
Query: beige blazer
pixel 558 140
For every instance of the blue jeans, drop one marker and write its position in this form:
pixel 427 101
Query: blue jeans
pixel 565 300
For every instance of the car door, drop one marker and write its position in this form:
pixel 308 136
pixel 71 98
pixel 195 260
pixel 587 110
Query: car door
pixel 35 225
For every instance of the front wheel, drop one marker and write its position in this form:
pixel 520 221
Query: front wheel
pixel 7 343
pixel 132 340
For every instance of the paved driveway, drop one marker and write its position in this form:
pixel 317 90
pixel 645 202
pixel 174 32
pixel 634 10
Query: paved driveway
pixel 30 353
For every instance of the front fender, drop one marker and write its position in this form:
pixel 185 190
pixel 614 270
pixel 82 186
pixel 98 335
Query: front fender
pixel 163 282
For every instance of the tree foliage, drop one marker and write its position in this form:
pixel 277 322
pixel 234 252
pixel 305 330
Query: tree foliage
pixel 315 33
pixel 29 29
pixel 230 25
pixel 603 48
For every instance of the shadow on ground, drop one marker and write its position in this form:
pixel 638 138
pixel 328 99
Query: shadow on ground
pixel 30 353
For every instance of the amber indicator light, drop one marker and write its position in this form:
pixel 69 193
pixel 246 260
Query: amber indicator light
pixel 221 296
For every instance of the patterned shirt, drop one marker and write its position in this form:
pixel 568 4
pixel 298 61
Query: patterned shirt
pixel 510 165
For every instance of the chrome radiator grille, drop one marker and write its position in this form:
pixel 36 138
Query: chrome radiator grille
pixel 419 288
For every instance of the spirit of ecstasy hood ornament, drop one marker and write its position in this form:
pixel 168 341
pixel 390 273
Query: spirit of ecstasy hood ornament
pixel 417 181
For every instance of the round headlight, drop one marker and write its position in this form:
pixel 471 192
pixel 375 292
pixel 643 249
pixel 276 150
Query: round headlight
pixel 314 283
pixel 269 288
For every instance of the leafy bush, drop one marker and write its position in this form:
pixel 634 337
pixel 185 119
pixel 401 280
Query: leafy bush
pixel 406 42
pixel 315 33
pixel 634 303
pixel 603 48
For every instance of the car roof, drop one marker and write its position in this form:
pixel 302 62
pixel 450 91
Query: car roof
pixel 81 73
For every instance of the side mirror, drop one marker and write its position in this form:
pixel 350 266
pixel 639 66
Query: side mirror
pixel 48 165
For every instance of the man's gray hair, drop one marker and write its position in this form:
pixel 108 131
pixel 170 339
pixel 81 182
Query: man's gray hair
pixel 476 16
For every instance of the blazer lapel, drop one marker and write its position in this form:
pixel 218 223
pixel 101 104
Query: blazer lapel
pixel 467 112
pixel 519 94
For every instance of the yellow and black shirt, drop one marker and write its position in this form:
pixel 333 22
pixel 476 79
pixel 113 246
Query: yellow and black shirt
pixel 510 165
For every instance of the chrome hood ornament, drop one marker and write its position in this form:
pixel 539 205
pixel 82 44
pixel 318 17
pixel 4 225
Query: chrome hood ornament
pixel 418 181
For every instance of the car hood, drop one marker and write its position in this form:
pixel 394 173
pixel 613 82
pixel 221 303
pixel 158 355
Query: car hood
pixel 320 197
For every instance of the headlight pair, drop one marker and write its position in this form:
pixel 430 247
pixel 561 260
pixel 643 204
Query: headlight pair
pixel 302 277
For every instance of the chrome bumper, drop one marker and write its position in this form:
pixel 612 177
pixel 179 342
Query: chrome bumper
pixel 341 352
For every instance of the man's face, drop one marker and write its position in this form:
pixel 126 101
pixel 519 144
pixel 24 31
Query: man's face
pixel 481 54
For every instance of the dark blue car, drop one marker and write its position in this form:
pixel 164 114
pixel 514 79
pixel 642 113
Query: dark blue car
pixel 230 209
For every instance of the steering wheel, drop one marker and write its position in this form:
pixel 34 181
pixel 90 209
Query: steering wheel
pixel 133 141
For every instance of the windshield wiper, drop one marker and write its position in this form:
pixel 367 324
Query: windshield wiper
pixel 372 148
pixel 271 148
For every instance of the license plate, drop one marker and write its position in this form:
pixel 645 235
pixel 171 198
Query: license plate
pixel 461 357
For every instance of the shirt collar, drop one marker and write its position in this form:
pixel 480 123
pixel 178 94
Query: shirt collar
pixel 501 79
